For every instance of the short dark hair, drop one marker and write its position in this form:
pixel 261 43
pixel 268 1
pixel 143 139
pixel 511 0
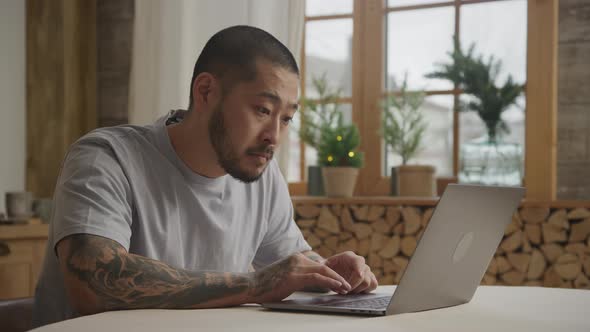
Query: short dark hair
pixel 231 55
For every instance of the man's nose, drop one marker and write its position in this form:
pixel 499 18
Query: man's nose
pixel 272 132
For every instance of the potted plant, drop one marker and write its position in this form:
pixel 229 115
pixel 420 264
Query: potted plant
pixel 488 159
pixel 322 127
pixel 403 130
pixel 316 114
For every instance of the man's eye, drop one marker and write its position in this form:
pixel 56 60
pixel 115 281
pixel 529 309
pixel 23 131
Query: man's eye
pixel 263 110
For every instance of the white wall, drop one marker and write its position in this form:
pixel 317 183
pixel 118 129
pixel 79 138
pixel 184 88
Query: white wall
pixel 12 97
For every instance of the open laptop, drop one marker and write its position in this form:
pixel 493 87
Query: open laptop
pixel 449 261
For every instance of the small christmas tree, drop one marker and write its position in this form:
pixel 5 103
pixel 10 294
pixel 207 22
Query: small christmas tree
pixel 338 146
pixel 323 128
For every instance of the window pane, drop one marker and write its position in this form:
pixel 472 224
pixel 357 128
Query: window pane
pixel 328 49
pixel 311 155
pixel 416 40
pixel 437 144
pixel 471 126
pixel 498 29
pixel 327 7
pixel 487 25
pixel 514 118
pixel 398 3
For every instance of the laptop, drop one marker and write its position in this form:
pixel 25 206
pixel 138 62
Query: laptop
pixel 449 262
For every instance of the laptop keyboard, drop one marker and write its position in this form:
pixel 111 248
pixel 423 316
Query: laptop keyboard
pixel 374 303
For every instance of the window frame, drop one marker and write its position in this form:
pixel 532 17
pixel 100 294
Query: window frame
pixel 369 19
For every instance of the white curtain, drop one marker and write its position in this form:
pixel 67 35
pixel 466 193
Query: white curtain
pixel 169 36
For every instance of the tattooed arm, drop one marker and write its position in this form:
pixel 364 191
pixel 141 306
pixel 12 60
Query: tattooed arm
pixel 100 275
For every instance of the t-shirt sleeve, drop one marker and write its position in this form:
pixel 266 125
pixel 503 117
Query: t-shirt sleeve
pixel 283 238
pixel 92 194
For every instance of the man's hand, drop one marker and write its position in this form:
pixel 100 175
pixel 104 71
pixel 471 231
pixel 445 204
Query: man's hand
pixel 352 267
pixel 295 273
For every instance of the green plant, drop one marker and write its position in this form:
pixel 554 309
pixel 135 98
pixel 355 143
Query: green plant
pixel 322 127
pixel 403 124
pixel 318 113
pixel 477 77
pixel 338 146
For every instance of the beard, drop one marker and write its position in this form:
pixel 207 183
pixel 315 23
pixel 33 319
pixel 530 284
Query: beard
pixel 227 154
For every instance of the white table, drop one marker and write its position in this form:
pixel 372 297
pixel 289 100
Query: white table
pixel 493 308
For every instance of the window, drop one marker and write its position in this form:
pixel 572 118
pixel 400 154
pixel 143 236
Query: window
pixel 419 36
pixel 327 50
pixel 366 46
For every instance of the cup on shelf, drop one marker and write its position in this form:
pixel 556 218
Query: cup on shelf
pixel 19 204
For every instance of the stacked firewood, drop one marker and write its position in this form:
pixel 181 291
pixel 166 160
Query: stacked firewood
pixel 541 247
pixel 544 248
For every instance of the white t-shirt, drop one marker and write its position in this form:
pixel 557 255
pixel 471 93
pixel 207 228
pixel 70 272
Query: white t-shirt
pixel 127 184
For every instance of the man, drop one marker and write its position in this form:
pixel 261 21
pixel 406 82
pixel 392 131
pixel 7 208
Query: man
pixel 173 215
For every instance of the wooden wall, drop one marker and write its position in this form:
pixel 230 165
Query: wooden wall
pixel 573 153
pixel 114 43
pixel 78 65
pixel 61 84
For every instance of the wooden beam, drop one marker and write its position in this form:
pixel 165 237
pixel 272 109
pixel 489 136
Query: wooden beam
pixel 61 84
pixel 298 188
pixel 426 92
pixel 80 59
pixel 425 201
pixel 373 182
pixel 328 17
pixel 541 100
pixel 359 200
pixel 368 66
pixel 424 6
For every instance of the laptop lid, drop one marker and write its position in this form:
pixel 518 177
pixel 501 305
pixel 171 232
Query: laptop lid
pixel 456 247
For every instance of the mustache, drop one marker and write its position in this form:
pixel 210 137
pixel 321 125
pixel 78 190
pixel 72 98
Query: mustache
pixel 263 149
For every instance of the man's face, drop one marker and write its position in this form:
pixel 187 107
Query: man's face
pixel 249 122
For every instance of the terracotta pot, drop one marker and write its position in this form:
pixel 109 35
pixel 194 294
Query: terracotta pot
pixel 339 181
pixel 416 181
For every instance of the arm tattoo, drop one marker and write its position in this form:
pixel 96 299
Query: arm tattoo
pixel 269 278
pixel 121 280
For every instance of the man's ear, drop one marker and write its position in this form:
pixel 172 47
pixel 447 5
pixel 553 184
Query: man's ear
pixel 205 89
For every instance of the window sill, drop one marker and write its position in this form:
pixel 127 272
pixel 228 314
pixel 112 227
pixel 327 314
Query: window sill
pixel 422 201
